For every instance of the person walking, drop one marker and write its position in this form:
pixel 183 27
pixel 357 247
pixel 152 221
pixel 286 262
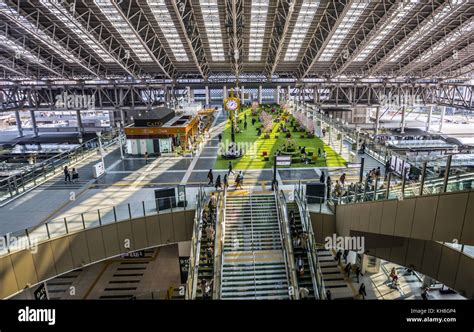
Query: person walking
pixel 245 125
pixel 304 293
pixel 342 179
pixel 210 177
pixel 338 256
pixel 230 169
pixel 328 295
pixel 362 291
pixel 146 158
pixel 67 175
pixel 346 253
pixel 358 273
pixel 348 269
pixel 218 183
pixel 219 137
pixel 226 181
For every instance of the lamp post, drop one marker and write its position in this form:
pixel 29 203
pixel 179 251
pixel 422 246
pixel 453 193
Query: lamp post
pixel 99 134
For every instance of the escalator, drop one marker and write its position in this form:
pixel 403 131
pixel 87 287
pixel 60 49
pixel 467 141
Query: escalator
pixel 304 280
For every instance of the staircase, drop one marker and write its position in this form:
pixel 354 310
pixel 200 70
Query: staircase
pixel 333 276
pixel 305 280
pixel 253 265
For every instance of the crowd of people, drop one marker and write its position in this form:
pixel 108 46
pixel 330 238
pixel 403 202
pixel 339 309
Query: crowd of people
pixel 351 271
pixel 221 183
pixel 208 243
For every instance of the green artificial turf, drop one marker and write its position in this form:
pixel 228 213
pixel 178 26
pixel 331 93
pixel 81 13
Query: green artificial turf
pixel 254 146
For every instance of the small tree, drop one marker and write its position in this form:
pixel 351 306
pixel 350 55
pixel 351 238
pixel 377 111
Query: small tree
pixel 267 121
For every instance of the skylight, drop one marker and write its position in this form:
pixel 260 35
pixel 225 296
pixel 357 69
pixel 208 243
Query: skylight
pixel 258 20
pixel 37 33
pixel 119 23
pixel 351 17
pixel 68 20
pixel 397 16
pixel 430 25
pixel 444 43
pixel 303 22
pixel 210 13
pixel 166 24
pixel 19 50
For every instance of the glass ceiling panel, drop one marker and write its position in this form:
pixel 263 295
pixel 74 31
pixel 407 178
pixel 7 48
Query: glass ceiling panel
pixel 119 23
pixel 258 20
pixel 19 50
pixel 69 21
pixel 210 13
pixel 353 14
pixel 167 26
pixel 38 34
pixel 303 22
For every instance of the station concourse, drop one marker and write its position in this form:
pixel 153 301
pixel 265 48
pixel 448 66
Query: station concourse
pixel 236 150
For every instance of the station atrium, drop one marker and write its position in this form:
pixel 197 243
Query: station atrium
pixel 203 150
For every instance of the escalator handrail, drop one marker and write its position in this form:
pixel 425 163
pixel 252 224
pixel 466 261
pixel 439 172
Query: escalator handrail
pixel 318 283
pixel 219 245
pixel 287 245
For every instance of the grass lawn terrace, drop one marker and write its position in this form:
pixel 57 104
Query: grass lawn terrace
pixel 254 146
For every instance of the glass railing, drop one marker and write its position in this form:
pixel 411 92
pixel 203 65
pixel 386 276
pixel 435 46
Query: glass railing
pixel 31 237
pixel 316 273
pixel 219 245
pixel 17 184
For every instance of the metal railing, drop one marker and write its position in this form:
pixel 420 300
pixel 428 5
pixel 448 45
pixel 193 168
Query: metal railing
pixel 17 184
pixel 287 244
pixel 316 273
pixel 30 237
pixel 219 245
pixel 219 259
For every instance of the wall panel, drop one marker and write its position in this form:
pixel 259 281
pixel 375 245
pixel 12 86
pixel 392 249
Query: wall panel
pixel 424 217
pixel 404 219
pixel 450 217
pixel 62 254
pixel 389 213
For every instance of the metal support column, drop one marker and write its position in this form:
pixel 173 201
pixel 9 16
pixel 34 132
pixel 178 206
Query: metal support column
pixel 441 120
pixel 260 94
pixel 277 94
pixel 430 114
pixel 377 120
pixel 403 120
pixel 189 94
pixel 80 125
pixel 242 94
pixel 224 92
pixel 18 123
pixel 33 123
pixel 207 96
pixel 446 173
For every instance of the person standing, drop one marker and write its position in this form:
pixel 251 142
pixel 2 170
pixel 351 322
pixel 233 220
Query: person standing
pixel 146 158
pixel 322 178
pixel 210 177
pixel 338 256
pixel 75 175
pixel 219 137
pixel 67 175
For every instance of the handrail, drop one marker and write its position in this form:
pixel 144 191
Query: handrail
pixel 56 228
pixel 218 244
pixel 287 245
pixel 252 245
pixel 16 184
pixel 316 276
pixel 220 259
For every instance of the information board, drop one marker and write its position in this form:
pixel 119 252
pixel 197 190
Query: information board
pixel 283 160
